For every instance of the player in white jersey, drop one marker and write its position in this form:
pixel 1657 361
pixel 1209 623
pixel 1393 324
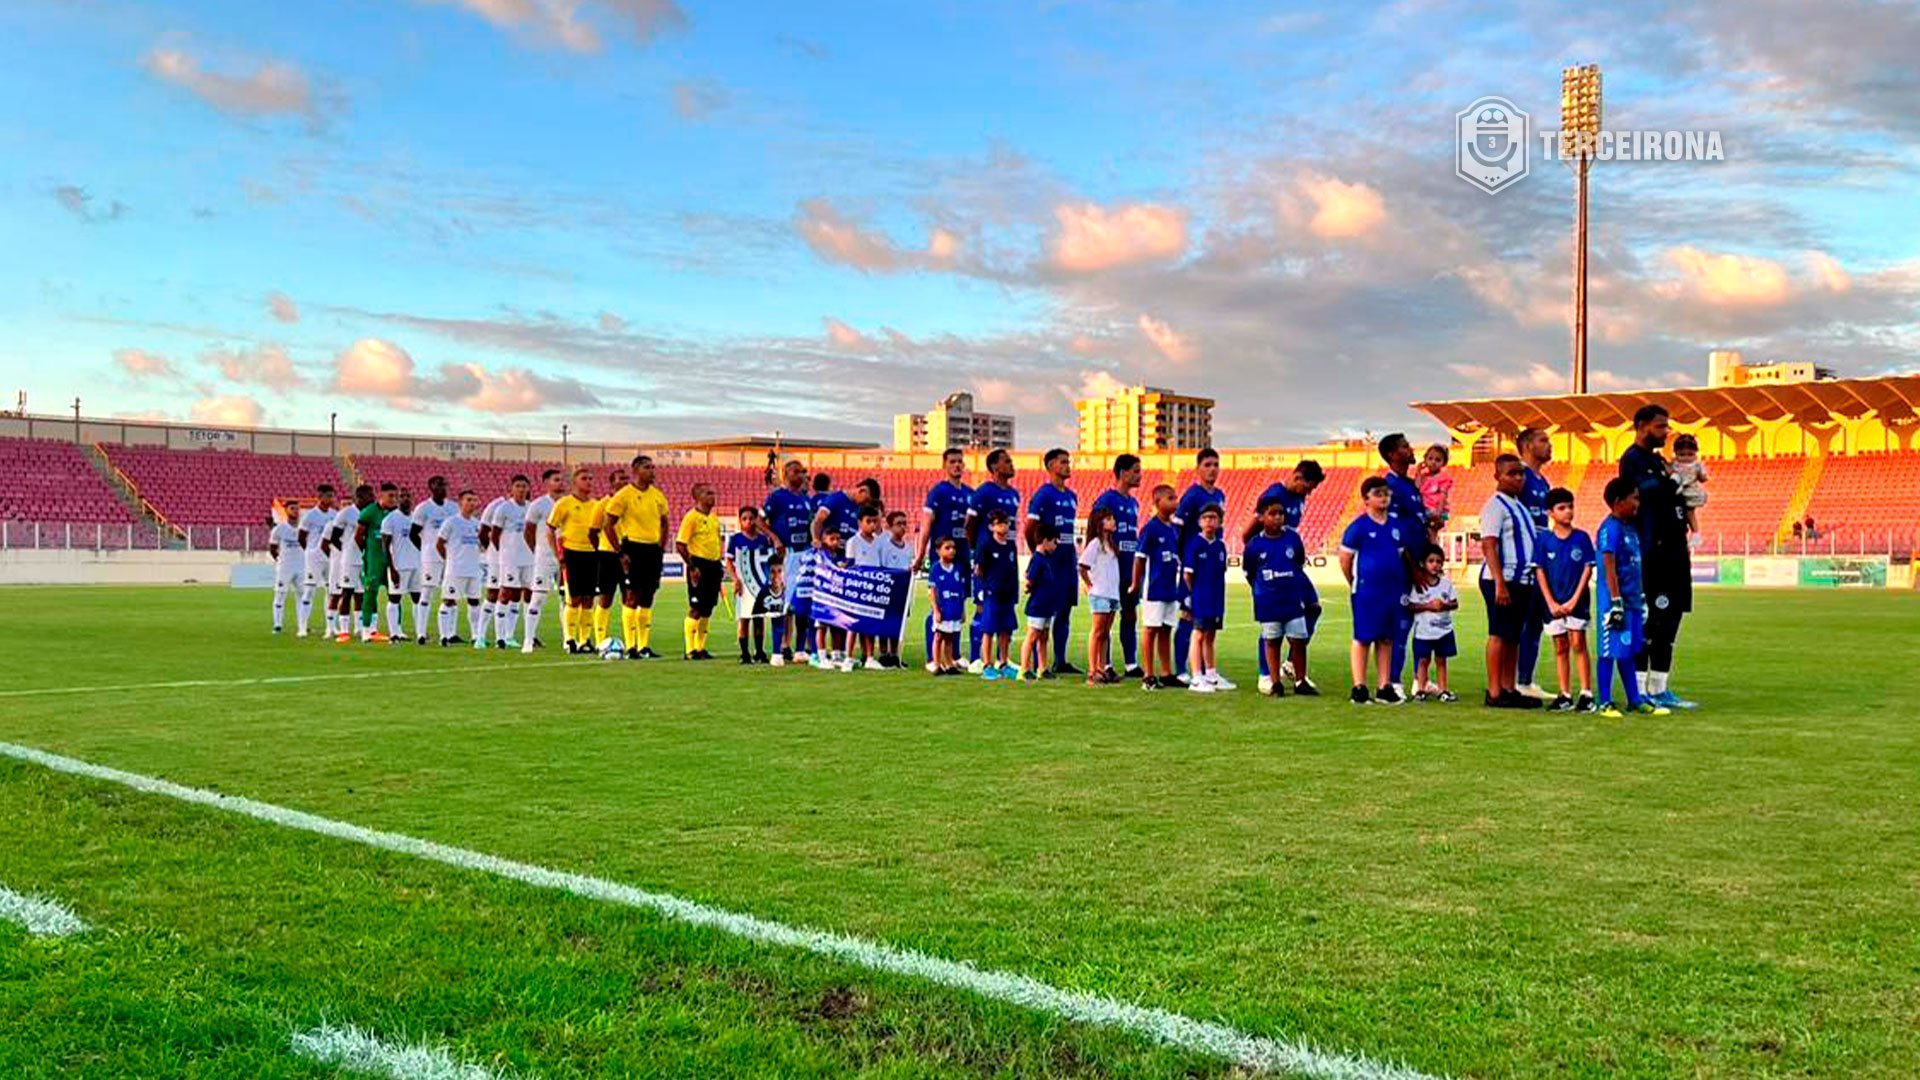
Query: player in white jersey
pixel 314 523
pixel 489 565
pixel 546 565
pixel 507 522
pixel 403 566
pixel 427 519
pixel 459 545
pixel 289 562
pixel 347 564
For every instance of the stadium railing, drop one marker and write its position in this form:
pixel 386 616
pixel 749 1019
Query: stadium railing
pixel 77 536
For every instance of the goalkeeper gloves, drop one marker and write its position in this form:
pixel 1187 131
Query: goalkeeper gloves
pixel 1617 617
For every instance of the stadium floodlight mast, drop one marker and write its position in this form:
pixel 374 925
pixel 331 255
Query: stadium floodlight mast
pixel 1580 135
pixel 563 445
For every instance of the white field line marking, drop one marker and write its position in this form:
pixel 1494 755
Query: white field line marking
pixel 41 917
pixel 356 1051
pixel 1172 1029
pixel 280 680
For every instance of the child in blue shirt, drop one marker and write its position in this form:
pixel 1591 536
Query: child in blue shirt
pixel 1156 580
pixel 947 592
pixel 1042 599
pixel 1565 561
pixel 1276 565
pixel 1617 591
pixel 997 574
pixel 1204 569
pixel 1370 558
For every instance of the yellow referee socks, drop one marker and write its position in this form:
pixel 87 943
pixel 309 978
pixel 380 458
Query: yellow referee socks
pixel 602 622
pixel 643 627
pixel 690 628
pixel 705 628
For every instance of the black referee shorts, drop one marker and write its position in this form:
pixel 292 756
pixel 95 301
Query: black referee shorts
pixel 1668 574
pixel 643 571
pixel 583 574
pixel 608 580
pixel 705 594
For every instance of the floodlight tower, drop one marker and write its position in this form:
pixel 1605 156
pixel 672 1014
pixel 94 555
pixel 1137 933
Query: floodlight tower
pixel 1580 136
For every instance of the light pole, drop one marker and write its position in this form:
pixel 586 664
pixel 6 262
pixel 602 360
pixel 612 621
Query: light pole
pixel 333 435
pixel 76 419
pixel 564 458
pixel 1580 130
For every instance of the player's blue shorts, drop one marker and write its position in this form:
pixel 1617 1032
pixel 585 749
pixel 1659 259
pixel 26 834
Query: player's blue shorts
pixel 1442 647
pixel 999 616
pixel 1625 643
pixel 1376 616
pixel 792 577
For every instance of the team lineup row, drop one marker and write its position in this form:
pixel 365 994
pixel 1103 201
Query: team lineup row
pixel 1166 572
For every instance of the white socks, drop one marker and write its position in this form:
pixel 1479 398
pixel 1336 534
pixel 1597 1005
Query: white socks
pixel 304 607
pixel 504 615
pixel 532 623
pixel 449 621
pixel 279 606
pixel 393 619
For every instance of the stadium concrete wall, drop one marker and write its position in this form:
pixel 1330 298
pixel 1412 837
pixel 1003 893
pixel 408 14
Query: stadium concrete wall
pixel 20 566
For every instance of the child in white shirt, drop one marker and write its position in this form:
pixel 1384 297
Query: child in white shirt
pixel 1432 602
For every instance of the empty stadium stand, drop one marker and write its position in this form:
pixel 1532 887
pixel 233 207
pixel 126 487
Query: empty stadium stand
pixel 220 497
pixel 51 495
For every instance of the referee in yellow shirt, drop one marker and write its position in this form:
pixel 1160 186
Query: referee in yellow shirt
pixel 698 545
pixel 572 524
pixel 637 516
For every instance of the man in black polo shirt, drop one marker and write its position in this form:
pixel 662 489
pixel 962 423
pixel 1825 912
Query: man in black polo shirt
pixel 1664 553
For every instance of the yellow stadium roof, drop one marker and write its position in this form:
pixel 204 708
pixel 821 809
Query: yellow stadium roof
pixel 1894 399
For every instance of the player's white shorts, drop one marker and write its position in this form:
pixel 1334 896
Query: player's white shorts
pixel 1041 623
pixel 288 575
pixel 430 575
pixel 514 576
pixel 1159 613
pixel 546 575
pixel 1295 628
pixel 462 588
pixel 950 626
pixel 406 582
pixel 1560 626
pixel 490 566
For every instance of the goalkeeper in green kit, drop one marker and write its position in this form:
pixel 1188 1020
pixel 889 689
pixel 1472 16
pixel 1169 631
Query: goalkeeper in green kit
pixel 373 573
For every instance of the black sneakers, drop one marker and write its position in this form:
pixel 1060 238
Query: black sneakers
pixel 1359 696
pixel 1561 703
pixel 1390 694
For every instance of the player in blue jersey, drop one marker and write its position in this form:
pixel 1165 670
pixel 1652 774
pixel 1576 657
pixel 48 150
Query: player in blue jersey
pixel 1275 562
pixel 1292 494
pixel 1119 502
pixel 1372 557
pixel 1055 504
pixel 1535 448
pixel 1508 583
pixel 947 597
pixel 1566 561
pixel 1203 567
pixel 787 515
pixel 1619 596
pixel 839 511
pixel 1156 580
pixel 1404 502
pixel 1043 600
pixel 1204 492
pixel 996 575
pixel 944 517
pixel 997 493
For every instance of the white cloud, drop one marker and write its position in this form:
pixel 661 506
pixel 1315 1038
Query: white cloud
pixel 559 22
pixel 265 365
pixel 1092 237
pixel 1723 280
pixel 142 364
pixel 1172 345
pixel 282 307
pixel 1828 272
pixel 271 88
pixel 836 239
pixel 1534 379
pixel 374 367
pixel 842 336
pixel 1333 209
pixel 611 323
pixel 232 410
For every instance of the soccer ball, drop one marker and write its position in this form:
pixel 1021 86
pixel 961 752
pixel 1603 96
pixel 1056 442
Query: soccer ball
pixel 612 650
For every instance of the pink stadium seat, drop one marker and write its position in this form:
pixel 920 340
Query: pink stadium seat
pixel 52 484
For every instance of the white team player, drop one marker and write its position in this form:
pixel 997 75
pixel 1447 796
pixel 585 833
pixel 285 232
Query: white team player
pixel 506 522
pixel 289 563
pixel 459 545
pixel 314 523
pixel 347 562
pixel 490 565
pixel 546 564
pixel 427 519
pixel 403 566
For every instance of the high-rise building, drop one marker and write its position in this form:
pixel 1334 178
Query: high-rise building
pixel 951 423
pixel 1139 418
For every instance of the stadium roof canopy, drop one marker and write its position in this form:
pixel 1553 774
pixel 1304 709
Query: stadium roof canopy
pixel 766 442
pixel 1894 399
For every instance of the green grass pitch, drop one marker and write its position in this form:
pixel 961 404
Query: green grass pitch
pixel 1726 893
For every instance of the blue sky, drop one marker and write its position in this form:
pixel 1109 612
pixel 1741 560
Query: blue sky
pixel 654 219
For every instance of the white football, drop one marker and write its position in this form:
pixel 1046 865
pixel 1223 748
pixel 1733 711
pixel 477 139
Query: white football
pixel 613 650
